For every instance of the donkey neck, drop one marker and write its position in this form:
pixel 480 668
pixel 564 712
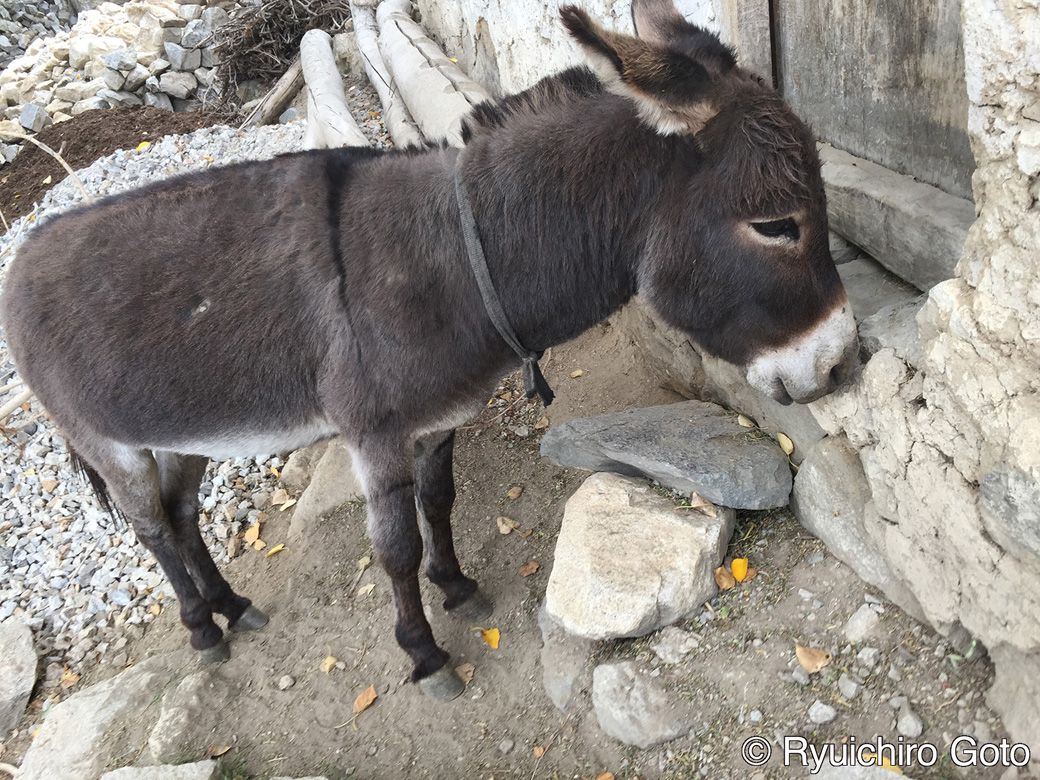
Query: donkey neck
pixel 562 204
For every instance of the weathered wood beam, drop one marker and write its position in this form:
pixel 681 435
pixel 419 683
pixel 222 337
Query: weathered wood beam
pixel 278 99
pixel 915 230
pixel 437 92
pixel 327 110
pixel 399 122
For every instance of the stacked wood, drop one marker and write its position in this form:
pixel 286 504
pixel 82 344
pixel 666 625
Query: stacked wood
pixel 329 121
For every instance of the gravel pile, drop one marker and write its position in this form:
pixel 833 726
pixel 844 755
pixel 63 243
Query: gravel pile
pixel 75 575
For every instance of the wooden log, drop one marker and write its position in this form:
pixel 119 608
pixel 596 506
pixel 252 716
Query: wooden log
pixel 327 107
pixel 915 230
pixel 278 99
pixel 437 92
pixel 399 122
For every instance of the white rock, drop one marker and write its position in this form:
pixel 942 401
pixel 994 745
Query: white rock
pixel 909 724
pixel 181 58
pixel 847 686
pixel 862 623
pixel 200 770
pixel 78 90
pixel 136 78
pixel 120 59
pixel 195 32
pixel 673 644
pixel 635 709
pixel 90 104
pixel 821 713
pixel 332 485
pixel 177 84
pixel 628 561
pixel 159 100
pixel 113 79
pixel 17 672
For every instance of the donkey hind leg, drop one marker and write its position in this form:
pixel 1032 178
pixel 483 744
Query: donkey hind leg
pixel 179 478
pixel 131 479
pixel 386 471
pixel 435 496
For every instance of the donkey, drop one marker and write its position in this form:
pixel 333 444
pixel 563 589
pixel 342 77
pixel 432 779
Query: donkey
pixel 328 292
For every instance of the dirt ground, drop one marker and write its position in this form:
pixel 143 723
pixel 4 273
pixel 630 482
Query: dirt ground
pixel 505 726
pixel 82 140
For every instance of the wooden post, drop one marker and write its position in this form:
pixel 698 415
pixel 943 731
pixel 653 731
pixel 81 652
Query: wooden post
pixel 327 111
pixel 278 99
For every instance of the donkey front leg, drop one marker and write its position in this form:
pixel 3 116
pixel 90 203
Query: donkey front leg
pixel 435 495
pixel 385 468
pixel 179 477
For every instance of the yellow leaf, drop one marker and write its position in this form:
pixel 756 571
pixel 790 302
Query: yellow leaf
pixel 259 544
pixel 142 146
pixel 739 567
pixel 514 492
pixel 745 422
pixel 885 763
pixel 724 579
pixel 491 637
pixel 542 422
pixel 216 751
pixel 48 180
pixel 506 525
pixel 365 699
pixel 453 59
pixel 577 373
pixel 252 533
pixel 812 659
pixel 276 472
pixel 605 776
pixel 538 751
pixel 329 663
pixel 364 590
pixel 155 609
pixel 529 568
pixel 465 672
pixel 785 443
pixel 274 550
pixel 69 678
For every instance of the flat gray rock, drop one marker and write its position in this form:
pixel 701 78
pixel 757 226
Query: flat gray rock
pixel 200 770
pixel 634 708
pixel 17 672
pixel 691 446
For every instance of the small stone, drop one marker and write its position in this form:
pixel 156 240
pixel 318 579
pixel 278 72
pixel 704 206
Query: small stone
pixel 869 657
pixel 908 724
pixel 90 104
pixel 136 78
pixel 800 676
pixel 848 687
pixel 820 713
pixel 285 682
pixel 34 118
pixel 215 17
pixel 755 716
pixel 289 115
pixel 862 623
pixel 673 644
pixel 505 746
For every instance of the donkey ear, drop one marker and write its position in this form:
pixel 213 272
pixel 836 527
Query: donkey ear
pixel 659 21
pixel 671 90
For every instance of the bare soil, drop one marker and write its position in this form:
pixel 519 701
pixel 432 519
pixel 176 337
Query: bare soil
pixel 504 726
pixel 82 140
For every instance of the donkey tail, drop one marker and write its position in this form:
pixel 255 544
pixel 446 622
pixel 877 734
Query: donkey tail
pixel 97 483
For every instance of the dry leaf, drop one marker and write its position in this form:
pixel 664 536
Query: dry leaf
pixel 745 422
pixel 259 544
pixel 538 751
pixel 287 504
pixel 329 663
pixel 142 146
pixel 724 579
pixel 155 609
pixel 785 443
pixel 216 751
pixel 274 550
pixel 233 545
pixel 542 422
pixel 364 562
pixel 514 492
pixel 48 485
pixel 752 572
pixel 703 505
pixel 605 776
pixel 811 658
pixel 364 590
pixel 465 672
pixel 48 180
pixel 69 678
pixel 529 568
pixel 252 533
pixel 280 496
pixel 365 699
pixel 491 637
pixel 276 472
pixel 577 373
pixel 506 525
pixel 739 567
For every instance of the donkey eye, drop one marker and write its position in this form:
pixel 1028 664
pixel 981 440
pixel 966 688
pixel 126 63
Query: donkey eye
pixel 778 228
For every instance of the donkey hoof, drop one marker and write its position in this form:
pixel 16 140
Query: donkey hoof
pixel 474 609
pixel 218 654
pixel 250 620
pixel 443 685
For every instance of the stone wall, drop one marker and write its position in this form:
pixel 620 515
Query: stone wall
pixel 925 474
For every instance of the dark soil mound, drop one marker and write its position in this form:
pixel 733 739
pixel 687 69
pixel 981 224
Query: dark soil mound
pixel 81 140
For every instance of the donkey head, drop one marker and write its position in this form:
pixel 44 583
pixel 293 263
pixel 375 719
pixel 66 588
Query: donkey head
pixel 737 254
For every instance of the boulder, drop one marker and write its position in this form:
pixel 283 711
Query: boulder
pixel 34 117
pixel 1016 691
pixel 691 446
pixel 332 485
pixel 136 78
pixel 177 84
pixel 628 561
pixel 564 659
pixel 113 79
pixel 191 715
pixel 299 467
pixel 181 58
pixel 17 672
pixel 158 100
pixel 634 708
pixel 90 104
pixel 200 770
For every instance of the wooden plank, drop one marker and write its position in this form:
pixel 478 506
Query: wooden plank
pixel 915 230
pixel 884 81
pixel 278 99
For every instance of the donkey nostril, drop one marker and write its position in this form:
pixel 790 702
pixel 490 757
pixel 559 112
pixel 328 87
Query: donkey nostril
pixel 837 375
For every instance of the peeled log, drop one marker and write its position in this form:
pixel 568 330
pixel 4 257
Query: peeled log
pixel 329 122
pixel 399 122
pixel 437 92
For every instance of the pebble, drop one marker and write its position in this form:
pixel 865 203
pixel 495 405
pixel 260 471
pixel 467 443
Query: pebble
pixel 908 724
pixel 862 623
pixel 505 746
pixel 848 687
pixel 869 657
pixel 755 716
pixel 821 713
pixel 286 682
pixel 800 676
